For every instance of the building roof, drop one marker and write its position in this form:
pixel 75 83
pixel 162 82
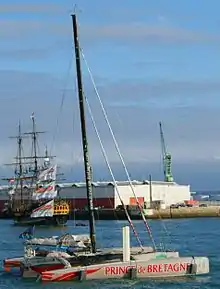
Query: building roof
pixel 119 183
pixel 101 184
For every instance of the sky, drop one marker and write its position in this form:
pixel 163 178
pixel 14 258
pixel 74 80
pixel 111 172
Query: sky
pixel 152 60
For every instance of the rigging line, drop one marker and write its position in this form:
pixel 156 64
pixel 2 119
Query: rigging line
pixel 164 230
pixel 74 154
pixel 119 153
pixel 93 122
pixel 61 106
pixel 111 172
pixel 164 227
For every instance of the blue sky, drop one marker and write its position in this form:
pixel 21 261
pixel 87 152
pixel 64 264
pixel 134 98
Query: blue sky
pixel 152 61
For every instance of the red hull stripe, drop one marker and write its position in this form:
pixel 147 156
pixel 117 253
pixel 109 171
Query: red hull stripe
pixel 49 276
pixel 47 207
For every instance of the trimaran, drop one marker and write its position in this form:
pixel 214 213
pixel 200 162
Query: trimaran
pixel 135 262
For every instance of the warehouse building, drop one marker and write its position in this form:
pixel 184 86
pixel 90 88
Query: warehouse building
pixel 106 196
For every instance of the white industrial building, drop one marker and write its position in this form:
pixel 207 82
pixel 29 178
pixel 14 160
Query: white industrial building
pixel 105 193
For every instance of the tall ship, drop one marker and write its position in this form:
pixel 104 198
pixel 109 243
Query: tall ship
pixel 33 193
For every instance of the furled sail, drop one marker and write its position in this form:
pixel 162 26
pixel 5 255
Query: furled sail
pixel 45 210
pixel 48 174
pixel 45 191
pixel 67 239
pixel 46 186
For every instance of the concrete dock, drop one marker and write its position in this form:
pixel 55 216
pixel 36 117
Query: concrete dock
pixel 184 212
pixel 212 210
pixel 169 213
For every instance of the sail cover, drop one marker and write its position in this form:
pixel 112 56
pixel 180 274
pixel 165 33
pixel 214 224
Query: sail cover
pixel 45 191
pixel 11 192
pixel 67 239
pixel 48 174
pixel 45 210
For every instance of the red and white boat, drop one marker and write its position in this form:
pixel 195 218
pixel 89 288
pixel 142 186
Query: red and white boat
pixel 112 263
pixel 123 262
pixel 33 266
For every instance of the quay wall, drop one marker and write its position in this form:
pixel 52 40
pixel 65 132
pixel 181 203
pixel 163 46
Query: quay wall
pixel 185 212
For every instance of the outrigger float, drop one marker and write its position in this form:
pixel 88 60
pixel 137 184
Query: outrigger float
pixel 57 248
pixel 125 262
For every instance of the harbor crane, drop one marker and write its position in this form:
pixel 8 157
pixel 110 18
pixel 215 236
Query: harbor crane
pixel 166 157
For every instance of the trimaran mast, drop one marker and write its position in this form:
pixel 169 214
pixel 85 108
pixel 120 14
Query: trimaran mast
pixel 87 166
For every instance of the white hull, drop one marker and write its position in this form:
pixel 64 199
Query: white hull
pixel 31 267
pixel 139 268
pixel 147 264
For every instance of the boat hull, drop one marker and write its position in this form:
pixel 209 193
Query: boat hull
pixel 164 268
pixel 40 264
pixel 60 220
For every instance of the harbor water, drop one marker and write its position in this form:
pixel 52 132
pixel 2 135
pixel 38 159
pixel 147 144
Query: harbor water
pixel 191 237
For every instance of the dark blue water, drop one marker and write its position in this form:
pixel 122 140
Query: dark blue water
pixel 207 195
pixel 198 237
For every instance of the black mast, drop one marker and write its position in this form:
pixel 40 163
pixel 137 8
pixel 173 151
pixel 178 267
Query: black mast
pixel 19 174
pixel 34 135
pixel 84 136
pixel 20 160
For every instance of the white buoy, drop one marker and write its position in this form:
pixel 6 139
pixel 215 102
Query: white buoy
pixel 126 244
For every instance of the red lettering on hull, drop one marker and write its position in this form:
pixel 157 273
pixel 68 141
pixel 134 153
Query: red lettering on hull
pixel 163 268
pixel 117 270
pixel 151 268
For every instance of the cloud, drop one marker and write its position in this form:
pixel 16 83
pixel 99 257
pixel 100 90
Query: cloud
pixel 34 52
pixel 36 38
pixel 20 28
pixel 31 29
pixel 26 54
pixel 47 8
pixel 147 33
pixel 136 127
pixel 118 32
pixel 162 93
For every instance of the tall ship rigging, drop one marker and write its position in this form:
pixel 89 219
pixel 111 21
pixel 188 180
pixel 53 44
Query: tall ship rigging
pixel 33 194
